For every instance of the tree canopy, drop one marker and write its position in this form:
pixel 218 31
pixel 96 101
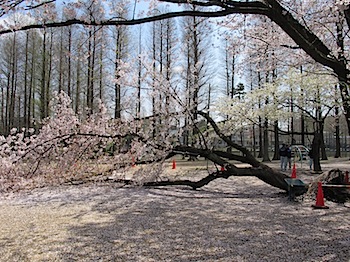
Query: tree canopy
pixel 66 134
pixel 284 14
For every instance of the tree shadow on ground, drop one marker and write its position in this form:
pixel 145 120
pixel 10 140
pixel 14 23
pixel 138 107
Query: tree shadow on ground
pixel 186 225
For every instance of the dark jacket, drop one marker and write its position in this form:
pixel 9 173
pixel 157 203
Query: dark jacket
pixel 283 151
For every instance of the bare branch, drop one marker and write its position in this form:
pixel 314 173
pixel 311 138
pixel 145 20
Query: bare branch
pixel 30 7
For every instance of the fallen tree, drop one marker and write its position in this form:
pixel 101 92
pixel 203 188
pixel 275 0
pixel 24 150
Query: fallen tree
pixel 51 155
pixel 259 170
pixel 61 146
pixel 66 146
pixel 221 159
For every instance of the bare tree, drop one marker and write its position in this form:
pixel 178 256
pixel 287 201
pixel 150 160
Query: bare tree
pixel 196 35
pixel 295 29
pixel 121 38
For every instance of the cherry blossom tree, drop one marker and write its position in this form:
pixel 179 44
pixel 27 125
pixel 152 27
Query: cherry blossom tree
pixel 313 99
pixel 60 136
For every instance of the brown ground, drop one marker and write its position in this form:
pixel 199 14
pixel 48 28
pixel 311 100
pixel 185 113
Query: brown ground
pixel 238 219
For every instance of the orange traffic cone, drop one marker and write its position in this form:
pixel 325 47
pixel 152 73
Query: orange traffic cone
pixel 294 172
pixel 320 199
pixel 174 164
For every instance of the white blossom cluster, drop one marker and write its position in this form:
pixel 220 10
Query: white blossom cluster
pixel 68 145
pixel 273 101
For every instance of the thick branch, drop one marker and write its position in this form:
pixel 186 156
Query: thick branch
pixel 249 157
pixel 306 39
pixel 119 21
pixel 267 175
pixel 261 171
pixel 208 154
pixel 193 184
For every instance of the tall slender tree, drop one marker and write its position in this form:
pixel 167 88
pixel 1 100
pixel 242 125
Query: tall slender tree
pixel 196 34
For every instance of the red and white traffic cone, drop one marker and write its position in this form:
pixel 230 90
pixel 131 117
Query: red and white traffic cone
pixel 294 172
pixel 320 198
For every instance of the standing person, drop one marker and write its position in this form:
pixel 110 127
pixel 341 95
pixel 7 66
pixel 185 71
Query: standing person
pixel 311 158
pixel 289 157
pixel 283 157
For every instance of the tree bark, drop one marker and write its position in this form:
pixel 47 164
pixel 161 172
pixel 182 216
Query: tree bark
pixel 316 142
pixel 43 79
pixel 323 146
pixel 276 155
pixel 266 157
pixel 257 169
pixel 337 134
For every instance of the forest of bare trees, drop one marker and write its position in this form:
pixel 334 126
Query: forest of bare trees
pixel 163 76
pixel 92 63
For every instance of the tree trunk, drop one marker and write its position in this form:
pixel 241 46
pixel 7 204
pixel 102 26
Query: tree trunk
pixel 337 134
pixel 254 140
pixel 266 157
pixel 62 57
pixel 263 172
pixel 323 146
pixel 69 77
pixel 25 95
pixel 117 87
pixel 49 72
pixel 91 68
pixel 101 68
pixel 78 84
pixel 139 76
pixel 13 84
pixel 220 158
pixel 316 142
pixel 276 155
pixel 261 144
pixel 43 79
pixel 31 92
pixel 302 114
